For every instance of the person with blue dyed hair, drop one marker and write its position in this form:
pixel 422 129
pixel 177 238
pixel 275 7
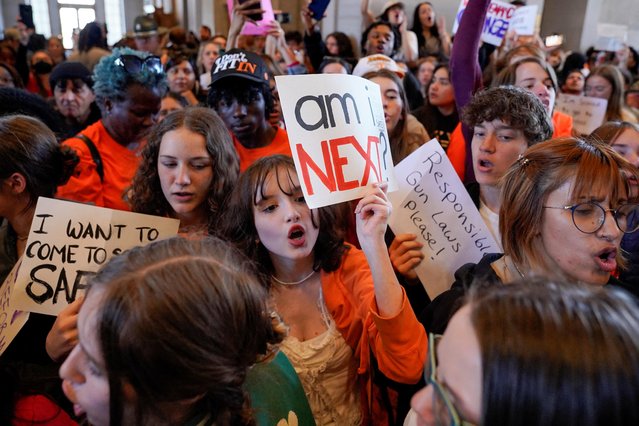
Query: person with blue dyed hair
pixel 128 87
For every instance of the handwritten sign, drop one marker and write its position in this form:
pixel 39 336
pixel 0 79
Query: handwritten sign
pixel 337 132
pixel 259 27
pixel 433 204
pixel 11 320
pixel 497 20
pixel 67 244
pixel 587 112
pixel 524 20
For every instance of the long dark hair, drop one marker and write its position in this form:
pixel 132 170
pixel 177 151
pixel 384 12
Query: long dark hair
pixel 28 147
pixel 91 36
pixel 238 225
pixel 344 45
pixel 557 354
pixel 418 29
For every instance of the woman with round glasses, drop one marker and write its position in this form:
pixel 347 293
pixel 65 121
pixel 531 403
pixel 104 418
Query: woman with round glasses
pixel 128 89
pixel 564 209
pixel 535 353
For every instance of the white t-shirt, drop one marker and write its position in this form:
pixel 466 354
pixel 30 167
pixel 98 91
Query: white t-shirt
pixel 491 219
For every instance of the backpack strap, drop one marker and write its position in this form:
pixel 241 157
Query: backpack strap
pixel 95 154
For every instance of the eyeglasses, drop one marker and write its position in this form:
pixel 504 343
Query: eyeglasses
pixel 589 217
pixel 133 64
pixel 443 409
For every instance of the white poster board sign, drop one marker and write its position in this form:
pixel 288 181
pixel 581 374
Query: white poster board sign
pixel 68 242
pixel 11 319
pixel 337 132
pixel 497 20
pixel 433 204
pixel 524 20
pixel 611 37
pixel 260 27
pixel 587 112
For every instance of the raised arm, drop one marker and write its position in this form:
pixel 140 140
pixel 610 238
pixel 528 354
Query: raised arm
pixel 464 64
pixel 367 16
pixel 372 213
pixel 238 17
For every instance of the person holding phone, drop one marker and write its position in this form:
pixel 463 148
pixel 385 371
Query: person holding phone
pixel 243 11
pixel 337 44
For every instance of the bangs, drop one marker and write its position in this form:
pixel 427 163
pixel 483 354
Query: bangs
pixel 596 172
pixel 286 183
pixel 598 175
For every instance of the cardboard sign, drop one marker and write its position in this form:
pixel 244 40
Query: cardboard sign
pixel 260 27
pixel 337 132
pixel 433 204
pixel 68 242
pixel 11 320
pixel 587 113
pixel 524 20
pixel 497 20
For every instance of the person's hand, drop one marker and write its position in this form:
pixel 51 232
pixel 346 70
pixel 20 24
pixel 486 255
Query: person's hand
pixel 403 27
pixel 441 25
pixel 274 29
pixel 405 254
pixel 240 14
pixel 307 18
pixel 63 336
pixel 372 213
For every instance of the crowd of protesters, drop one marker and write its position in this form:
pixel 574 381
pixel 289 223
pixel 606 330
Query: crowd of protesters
pixel 265 311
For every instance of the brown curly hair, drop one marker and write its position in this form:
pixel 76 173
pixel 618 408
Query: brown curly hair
pixel 516 107
pixel 146 194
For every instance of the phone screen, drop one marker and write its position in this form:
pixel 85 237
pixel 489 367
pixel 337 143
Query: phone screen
pixel 254 16
pixel 283 18
pixel 554 40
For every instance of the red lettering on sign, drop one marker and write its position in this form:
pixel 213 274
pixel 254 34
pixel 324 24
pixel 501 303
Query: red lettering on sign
pixel 327 178
pixel 332 175
pixel 340 162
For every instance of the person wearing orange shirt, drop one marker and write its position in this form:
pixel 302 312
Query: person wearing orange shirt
pixel 128 88
pixel 241 96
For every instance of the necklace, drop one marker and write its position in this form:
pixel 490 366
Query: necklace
pixel 293 282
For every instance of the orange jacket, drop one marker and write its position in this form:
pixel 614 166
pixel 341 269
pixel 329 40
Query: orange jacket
pixel 561 124
pixel 399 343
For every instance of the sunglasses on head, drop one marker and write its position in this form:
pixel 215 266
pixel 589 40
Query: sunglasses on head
pixel 133 64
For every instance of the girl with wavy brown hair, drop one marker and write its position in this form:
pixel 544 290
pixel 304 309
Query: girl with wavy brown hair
pixel 188 167
pixel 343 305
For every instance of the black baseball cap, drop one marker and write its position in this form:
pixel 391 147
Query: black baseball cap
pixel 241 64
